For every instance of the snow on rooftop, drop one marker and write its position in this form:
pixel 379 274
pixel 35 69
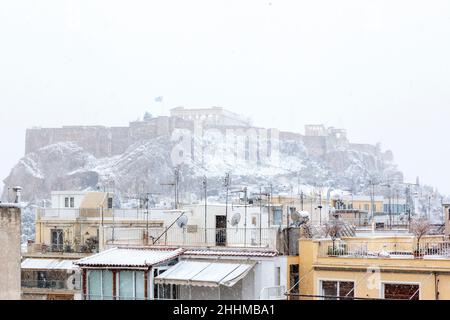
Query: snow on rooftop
pixel 45 264
pixel 10 205
pixel 203 273
pixel 231 253
pixel 129 257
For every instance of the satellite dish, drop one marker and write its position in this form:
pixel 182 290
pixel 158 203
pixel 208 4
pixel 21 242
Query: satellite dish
pixel 300 216
pixel 295 216
pixel 235 219
pixel 182 221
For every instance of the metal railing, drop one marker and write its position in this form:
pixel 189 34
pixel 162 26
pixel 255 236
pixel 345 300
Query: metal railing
pixel 59 248
pixel 405 250
pixel 68 284
pixel 273 293
pixel 239 237
pixel 107 214
pixel 117 297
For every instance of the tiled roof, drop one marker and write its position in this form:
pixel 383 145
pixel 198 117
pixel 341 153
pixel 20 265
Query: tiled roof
pixel 129 257
pixel 231 253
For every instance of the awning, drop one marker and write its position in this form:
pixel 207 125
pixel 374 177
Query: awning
pixel 47 264
pixel 201 273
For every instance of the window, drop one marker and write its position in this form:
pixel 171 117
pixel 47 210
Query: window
pixel 57 238
pixel 110 203
pixel 294 279
pixel 164 291
pixel 107 285
pixel 400 291
pixel 126 285
pixel 139 285
pixel 342 290
pixel 366 207
pixel 94 283
pixel 277 216
pixel 42 279
pixel 131 285
pixel 100 285
pixel 69 202
pixel 277 276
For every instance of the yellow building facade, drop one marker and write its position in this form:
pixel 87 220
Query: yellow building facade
pixel 374 268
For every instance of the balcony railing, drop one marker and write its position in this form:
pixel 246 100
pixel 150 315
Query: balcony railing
pixel 118 297
pixel 273 293
pixel 238 237
pixel 107 214
pixel 399 250
pixel 68 284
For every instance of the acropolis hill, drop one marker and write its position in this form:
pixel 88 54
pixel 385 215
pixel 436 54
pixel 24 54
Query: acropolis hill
pixel 139 156
pixel 103 141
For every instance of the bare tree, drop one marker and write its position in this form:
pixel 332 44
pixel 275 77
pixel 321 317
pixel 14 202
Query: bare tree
pixel 332 229
pixel 419 227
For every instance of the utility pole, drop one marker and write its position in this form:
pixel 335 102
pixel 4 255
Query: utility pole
pixel 320 207
pixel 408 199
pixel 267 195
pixel 269 205
pixel 372 199
pixel 177 183
pixel 245 214
pixel 389 203
pixel 174 184
pixel 408 204
pixel 429 207
pixel 292 203
pixel 301 199
pixel 149 194
pixel 227 183
pixel 260 214
pixel 205 189
pixel 390 207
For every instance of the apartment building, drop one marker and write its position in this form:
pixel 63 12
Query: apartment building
pixel 10 219
pixel 384 267
pixel 164 273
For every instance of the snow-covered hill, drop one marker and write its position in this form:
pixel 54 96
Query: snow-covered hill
pixel 145 165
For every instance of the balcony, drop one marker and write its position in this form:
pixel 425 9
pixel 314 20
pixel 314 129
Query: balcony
pixel 108 215
pixel 191 236
pixel 385 250
pixel 68 284
pixel 273 293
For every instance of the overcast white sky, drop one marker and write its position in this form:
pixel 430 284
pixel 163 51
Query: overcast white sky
pixel 381 69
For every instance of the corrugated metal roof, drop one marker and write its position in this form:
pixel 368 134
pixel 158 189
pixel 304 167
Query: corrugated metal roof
pixel 47 264
pixel 231 253
pixel 129 257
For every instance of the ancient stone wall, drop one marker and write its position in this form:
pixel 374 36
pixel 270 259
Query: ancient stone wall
pixel 105 142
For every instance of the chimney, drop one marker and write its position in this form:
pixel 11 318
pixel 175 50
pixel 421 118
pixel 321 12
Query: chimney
pixel 17 193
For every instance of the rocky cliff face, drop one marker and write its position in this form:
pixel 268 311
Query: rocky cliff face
pixel 147 164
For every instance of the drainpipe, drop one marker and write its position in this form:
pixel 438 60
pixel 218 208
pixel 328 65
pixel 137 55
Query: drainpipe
pixel 84 283
pixel 114 284
pixel 436 286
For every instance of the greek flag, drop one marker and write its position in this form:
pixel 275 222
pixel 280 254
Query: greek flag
pixel 158 99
